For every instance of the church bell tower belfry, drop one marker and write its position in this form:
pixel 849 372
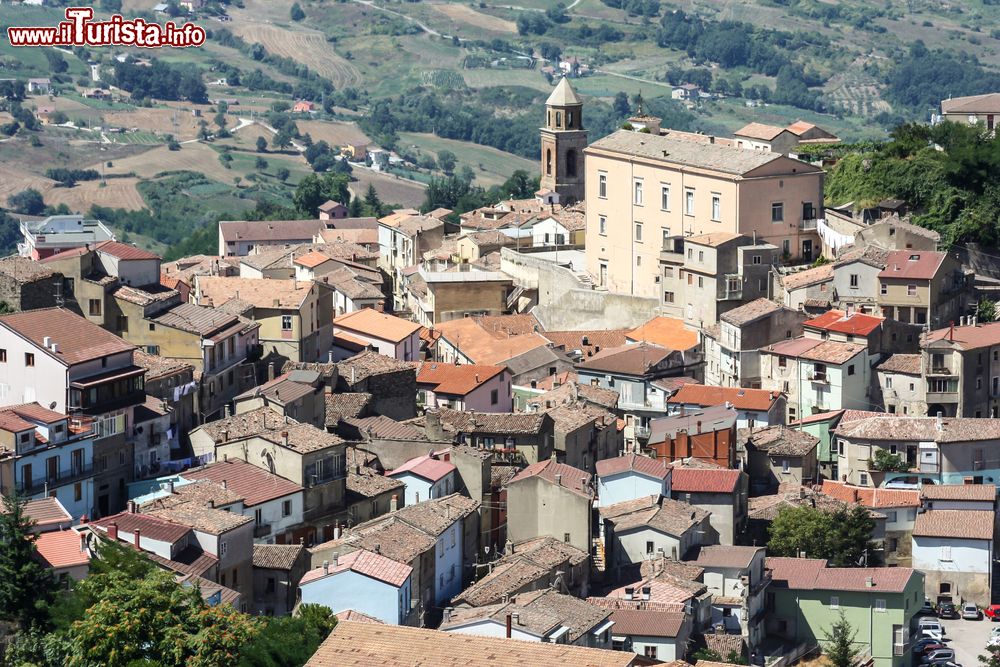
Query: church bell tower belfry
pixel 563 141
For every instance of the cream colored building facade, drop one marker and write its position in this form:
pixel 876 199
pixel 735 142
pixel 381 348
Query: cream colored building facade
pixel 644 189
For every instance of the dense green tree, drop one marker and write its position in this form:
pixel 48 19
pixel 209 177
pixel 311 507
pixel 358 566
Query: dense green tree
pixel 843 537
pixel 57 64
pixel 446 160
pixel 372 202
pixel 28 202
pixel 310 626
pixel 26 588
pixel 260 164
pixel 261 145
pixel 886 461
pixel 986 311
pixel 839 645
pixel 296 12
pixel 282 174
pixel 314 190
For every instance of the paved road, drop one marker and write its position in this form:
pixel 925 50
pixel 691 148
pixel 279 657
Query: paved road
pixel 968 638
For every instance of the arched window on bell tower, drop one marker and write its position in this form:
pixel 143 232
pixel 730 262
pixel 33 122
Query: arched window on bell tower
pixel 571 162
pixel 569 120
pixel 559 119
pixel 548 161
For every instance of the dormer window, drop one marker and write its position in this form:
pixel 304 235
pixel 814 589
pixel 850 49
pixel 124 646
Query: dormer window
pixel 914 258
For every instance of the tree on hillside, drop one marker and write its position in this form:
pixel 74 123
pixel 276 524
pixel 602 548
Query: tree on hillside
pixel 446 160
pixel 283 139
pixel 282 174
pixel 296 12
pixel 260 164
pixel 27 202
pixel 154 620
pixel 839 648
pixel 57 64
pixel 261 145
pixel 372 201
pixel 315 189
pixel 25 586
pixel 843 537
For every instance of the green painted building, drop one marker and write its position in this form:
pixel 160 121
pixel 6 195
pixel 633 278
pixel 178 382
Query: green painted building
pixel 806 597
pixel 821 426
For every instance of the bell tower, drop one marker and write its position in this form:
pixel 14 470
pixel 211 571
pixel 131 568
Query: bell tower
pixel 563 141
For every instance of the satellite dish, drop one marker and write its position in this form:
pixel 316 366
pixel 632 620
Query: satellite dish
pixel 52 405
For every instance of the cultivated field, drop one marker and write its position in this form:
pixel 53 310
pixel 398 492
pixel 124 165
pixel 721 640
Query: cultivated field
pixel 191 157
pixel 119 192
pixel 390 189
pixel 488 78
pixel 334 133
pixel 490 165
pixel 468 15
pixel 307 47
pixel 178 122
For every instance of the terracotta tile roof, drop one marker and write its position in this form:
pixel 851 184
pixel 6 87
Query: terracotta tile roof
pixel 431 469
pixel 346 405
pixel 255 485
pixel 571 417
pixel 508 423
pixel 767 508
pixel 955 524
pixel 951 429
pixel 969 338
pixel 151 527
pixel 202 519
pixel 869 497
pixel 365 644
pixel 858 324
pixel 693 422
pixel 190 560
pixel 780 441
pixel 588 342
pixel 157 366
pixel 303 438
pixel 262 293
pixel 972 104
pixel 800 279
pixel 44 512
pixel 812 574
pixel 352 616
pixel 631 359
pixel 372 323
pixel 724 645
pixel 665 588
pixel 452 379
pixel 912 264
pixel 202 493
pixel 704 480
pixel 871 255
pixel 367 483
pixel 573 479
pixel 750 312
pixel 668 332
pixel 970 492
pixel 243 425
pixel 210 590
pixel 392 537
pixel 908 364
pixel 369 364
pixel 672 384
pixel 66 254
pixel 818 417
pixel 270 230
pixel 199 320
pixel 436 516
pixel 663 514
pixel 712 239
pixel 363 562
pixel 727 556
pixel 643 465
pixel 647 623
pixel 380 426
pixel 833 352
pixel 572 391
pixel 124 251
pixel 792 347
pixel 24 269
pixel 311 259
pixel 741 399
pixel 479 345
pixel 507 577
pixel 78 339
pixel 61 548
pixel 276 556
pixel 759 131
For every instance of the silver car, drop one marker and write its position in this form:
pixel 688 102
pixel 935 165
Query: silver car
pixel 971 612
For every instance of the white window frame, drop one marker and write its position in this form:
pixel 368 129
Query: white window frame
pixel 602 185
pixel 716 207
pixel 664 197
pixel 602 225
pixel 637 192
pixel 689 201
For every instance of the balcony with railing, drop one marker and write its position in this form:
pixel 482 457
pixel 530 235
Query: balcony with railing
pixel 731 287
pixel 261 530
pixel 641 432
pixel 808 224
pixel 105 392
pixel 818 377
pixel 51 480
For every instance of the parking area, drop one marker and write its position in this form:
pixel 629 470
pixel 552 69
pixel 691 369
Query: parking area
pixel 968 638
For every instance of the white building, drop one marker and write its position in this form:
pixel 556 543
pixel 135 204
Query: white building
pixel 631 477
pixel 426 478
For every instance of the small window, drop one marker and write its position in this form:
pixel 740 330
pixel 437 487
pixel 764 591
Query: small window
pixel 945 552
pixel 286 508
pixel 911 290
pixel 834 602
pixel 602 186
pixel 29 359
pixel 756 259
pixel 665 197
pixel 649 547
pixel 701 255
pixel 689 202
pixel 566 537
pixel 854 280
pixel 152 326
pixel 863 478
pixel 850 369
pixel 602 225
pixel 637 192
pixel 701 281
pixel 3 356
pixel 494 397
pixel 650 652
pixel 716 208
pixel 94 307
pixel 668 297
pixel 883 289
pixel 782 362
pixel 777 212
pixel 786 466
pixel 880 606
pixel 638 232
pixel 286 322
pixel 223 547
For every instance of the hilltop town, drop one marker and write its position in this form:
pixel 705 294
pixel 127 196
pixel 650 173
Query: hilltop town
pixel 658 404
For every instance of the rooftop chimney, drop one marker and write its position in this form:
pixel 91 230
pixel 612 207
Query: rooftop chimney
pixel 284 437
pixel 869 582
pixel 47 342
pixel 83 542
pixel 326 567
pixel 394 503
pixel 113 532
pixel 131 507
pixel 447 615
pixel 224 484
pixel 508 625
pixel 270 371
pixel 559 479
pixel 336 559
pixel 138 533
pixel 170 487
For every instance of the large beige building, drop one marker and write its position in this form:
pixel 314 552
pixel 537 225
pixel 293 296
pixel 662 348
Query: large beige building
pixel 644 189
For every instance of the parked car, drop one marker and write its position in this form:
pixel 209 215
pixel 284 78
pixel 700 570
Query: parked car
pixel 971 612
pixel 931 623
pixel 926 645
pixel 928 633
pixel 992 612
pixel 995 633
pixel 928 609
pixel 938 656
pixel 947 610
